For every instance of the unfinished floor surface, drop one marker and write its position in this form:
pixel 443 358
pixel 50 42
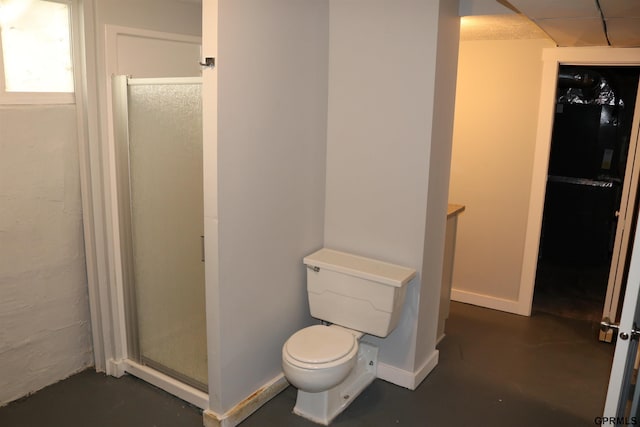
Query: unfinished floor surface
pixel 495 369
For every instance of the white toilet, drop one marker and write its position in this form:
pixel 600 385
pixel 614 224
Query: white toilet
pixel 328 364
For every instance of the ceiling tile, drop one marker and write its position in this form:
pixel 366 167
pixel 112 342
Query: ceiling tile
pixel 574 32
pixel 540 9
pixel 499 27
pixel 624 32
pixel 620 8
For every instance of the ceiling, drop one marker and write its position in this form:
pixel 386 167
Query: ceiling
pixel 499 27
pixel 613 23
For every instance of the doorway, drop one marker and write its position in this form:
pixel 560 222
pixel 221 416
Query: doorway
pixel 587 168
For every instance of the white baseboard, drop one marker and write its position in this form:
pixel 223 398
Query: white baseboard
pixel 242 410
pixel 488 301
pixel 407 379
pixel 115 368
pixel 426 368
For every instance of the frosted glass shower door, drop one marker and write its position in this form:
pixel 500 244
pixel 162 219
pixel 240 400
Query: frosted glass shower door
pixel 163 265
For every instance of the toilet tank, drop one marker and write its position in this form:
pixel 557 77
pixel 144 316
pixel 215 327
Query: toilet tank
pixel 356 292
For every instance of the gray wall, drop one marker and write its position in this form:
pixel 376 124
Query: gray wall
pixel 446 67
pixel 386 152
pixel 172 16
pixel 272 108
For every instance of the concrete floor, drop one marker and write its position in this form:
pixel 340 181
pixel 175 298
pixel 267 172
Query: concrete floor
pixel 495 369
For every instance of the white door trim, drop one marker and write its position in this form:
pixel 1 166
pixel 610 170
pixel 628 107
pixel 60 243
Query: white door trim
pixel 626 349
pixel 210 189
pixel 111 42
pixel 91 178
pixel 552 58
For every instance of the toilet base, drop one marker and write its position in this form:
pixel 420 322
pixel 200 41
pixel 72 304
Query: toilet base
pixel 324 406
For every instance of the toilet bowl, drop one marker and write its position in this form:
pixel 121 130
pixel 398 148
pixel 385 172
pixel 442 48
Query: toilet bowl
pixel 318 358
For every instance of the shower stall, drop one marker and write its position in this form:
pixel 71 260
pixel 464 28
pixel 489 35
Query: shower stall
pixel 158 150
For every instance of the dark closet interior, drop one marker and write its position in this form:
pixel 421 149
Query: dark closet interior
pixel 589 147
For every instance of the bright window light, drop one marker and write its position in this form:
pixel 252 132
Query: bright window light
pixel 36 46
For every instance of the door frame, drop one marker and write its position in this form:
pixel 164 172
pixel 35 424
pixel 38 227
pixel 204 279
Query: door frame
pixel 626 213
pixel 552 59
pixel 625 358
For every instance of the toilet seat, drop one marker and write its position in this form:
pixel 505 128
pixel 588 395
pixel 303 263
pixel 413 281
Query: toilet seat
pixel 320 347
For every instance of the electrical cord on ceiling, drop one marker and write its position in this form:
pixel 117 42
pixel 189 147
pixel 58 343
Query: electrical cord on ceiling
pixel 604 23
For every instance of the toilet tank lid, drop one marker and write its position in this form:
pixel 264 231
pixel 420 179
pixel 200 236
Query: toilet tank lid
pixel 366 268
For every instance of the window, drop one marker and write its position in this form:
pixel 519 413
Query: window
pixel 35 47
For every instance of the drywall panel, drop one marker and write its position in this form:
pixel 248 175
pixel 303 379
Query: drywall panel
pixel 446 63
pixel 483 7
pixel 140 55
pixel 171 16
pixel 492 161
pixel 44 312
pixel 272 109
pixel 382 78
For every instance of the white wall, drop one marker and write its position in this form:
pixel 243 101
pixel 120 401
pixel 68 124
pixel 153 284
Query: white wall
pixel 272 107
pixel 381 136
pixel 172 16
pixel 44 312
pixel 491 169
pixel 483 7
pixel 439 171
